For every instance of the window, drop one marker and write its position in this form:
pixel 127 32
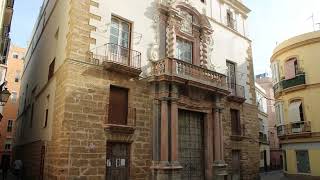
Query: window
pixel 296 111
pixel 184 50
pixel 120 32
pixel 291 68
pixel 235 122
pixel 275 73
pixel 31 118
pixel 46 115
pixel 232 80
pixel 230 20
pixel 51 69
pixel 17 77
pixel 118 105
pixel 10 125
pixel 15 56
pixel 202 1
pixel 187 22
pixel 7 145
pixel 14 97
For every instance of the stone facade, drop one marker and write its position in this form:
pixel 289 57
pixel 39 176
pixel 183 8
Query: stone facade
pixel 78 142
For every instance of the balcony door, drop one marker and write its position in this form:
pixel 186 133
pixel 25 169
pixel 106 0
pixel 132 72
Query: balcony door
pixel 118 106
pixel 119 46
pixel 232 76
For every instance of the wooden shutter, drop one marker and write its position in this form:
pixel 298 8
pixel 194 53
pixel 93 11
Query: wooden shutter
pixel 118 105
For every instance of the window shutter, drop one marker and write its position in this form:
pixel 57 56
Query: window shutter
pixel 118 106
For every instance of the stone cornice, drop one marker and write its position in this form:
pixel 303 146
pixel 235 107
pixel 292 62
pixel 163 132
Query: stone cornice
pixel 238 6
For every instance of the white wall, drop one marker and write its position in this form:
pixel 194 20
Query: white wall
pixel 228 44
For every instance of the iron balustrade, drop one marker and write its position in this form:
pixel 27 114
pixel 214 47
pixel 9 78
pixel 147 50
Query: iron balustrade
pixel 299 79
pixel 131 117
pixel 236 90
pixel 117 54
pixel 294 128
pixel 185 70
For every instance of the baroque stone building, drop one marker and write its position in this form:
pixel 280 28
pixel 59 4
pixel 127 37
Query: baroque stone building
pixel 140 90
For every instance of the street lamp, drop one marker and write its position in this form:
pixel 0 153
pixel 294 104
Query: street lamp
pixel 4 96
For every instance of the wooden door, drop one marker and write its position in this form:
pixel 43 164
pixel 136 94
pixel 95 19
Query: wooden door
pixel 191 145
pixel 118 161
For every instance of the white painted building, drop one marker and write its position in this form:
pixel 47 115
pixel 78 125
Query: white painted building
pixel 264 128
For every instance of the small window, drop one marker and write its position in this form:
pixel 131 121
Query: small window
pixel 15 56
pixel 17 76
pixel 184 50
pixel 14 97
pixel 10 126
pixel 7 145
pixel 235 122
pixel 230 20
pixel 46 115
pixel 51 69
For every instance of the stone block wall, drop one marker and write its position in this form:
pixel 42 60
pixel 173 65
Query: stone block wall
pixel 79 139
pixel 248 144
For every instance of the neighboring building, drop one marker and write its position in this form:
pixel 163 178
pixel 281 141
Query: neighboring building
pixel 111 91
pixel 6 12
pixel 263 130
pixel 10 110
pixel 265 81
pixel 296 79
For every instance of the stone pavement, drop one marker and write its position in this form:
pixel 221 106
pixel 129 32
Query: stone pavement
pixel 273 175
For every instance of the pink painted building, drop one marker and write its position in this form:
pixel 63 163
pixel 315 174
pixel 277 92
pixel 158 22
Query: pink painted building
pixel 275 152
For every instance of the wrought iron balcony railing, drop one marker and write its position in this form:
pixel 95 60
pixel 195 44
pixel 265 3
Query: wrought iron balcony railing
pixel 127 127
pixel 263 138
pixel 237 90
pixel 117 58
pixel 185 71
pixel 300 79
pixel 294 128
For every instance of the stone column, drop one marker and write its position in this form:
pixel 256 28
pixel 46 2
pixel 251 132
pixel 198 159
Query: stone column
pixel 174 133
pixel 219 165
pixel 164 133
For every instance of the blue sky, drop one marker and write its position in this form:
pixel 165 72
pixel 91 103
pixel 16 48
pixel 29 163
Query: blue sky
pixel 24 17
pixel 270 22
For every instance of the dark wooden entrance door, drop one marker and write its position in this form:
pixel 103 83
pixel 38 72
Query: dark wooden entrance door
pixel 191 145
pixel 118 161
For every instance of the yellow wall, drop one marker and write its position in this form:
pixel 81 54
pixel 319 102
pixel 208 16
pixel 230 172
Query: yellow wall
pixel 291 161
pixel 306 49
pixel 314 157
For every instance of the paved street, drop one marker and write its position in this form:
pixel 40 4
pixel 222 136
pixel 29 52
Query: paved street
pixel 273 175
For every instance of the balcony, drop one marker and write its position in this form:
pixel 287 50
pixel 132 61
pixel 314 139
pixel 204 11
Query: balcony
pixel 118 59
pixel 298 80
pixel 238 134
pixel 237 93
pixel 171 69
pixel 295 129
pixel 117 128
pixel 263 138
pixel 286 84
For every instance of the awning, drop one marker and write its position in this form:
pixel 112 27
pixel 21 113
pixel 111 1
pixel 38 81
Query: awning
pixel 294 111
